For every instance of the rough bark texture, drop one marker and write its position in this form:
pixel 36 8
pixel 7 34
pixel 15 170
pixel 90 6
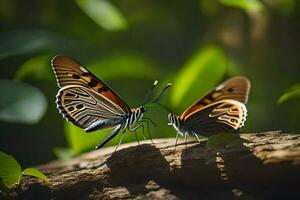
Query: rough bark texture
pixel 266 168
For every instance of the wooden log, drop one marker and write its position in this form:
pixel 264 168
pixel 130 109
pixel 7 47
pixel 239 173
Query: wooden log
pixel 268 167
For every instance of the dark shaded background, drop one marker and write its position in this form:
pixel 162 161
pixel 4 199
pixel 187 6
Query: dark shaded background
pixel 155 40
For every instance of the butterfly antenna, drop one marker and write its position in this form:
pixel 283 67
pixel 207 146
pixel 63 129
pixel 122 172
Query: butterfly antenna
pixel 150 92
pixel 161 92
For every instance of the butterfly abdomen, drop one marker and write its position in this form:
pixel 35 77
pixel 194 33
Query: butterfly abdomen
pixel 103 124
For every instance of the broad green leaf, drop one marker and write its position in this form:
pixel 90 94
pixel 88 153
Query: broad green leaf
pixel 225 140
pixel 10 170
pixel 199 75
pixel 21 103
pixel 246 5
pixel 124 66
pixel 37 67
pixel 24 42
pixel 104 13
pixel 293 92
pixel 35 173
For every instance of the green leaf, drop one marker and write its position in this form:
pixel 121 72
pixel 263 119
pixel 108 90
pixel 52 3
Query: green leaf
pixel 225 140
pixel 21 103
pixel 292 93
pixel 104 13
pixel 246 5
pixel 24 42
pixel 37 68
pixel 124 66
pixel 10 170
pixel 35 173
pixel 199 75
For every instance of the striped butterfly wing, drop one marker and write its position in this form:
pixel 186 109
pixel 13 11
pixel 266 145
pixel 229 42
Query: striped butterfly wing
pixel 84 99
pixel 83 106
pixel 236 88
pixel 69 72
pixel 221 116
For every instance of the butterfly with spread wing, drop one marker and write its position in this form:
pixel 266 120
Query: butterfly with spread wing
pixel 90 104
pixel 221 110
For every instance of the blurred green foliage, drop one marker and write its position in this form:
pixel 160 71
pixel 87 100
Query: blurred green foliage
pixel 247 5
pixel 129 44
pixel 293 92
pixel 26 104
pixel 104 13
pixel 208 62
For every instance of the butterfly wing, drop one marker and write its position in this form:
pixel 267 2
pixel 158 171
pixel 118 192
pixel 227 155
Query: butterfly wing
pixel 221 116
pixel 84 107
pixel 69 72
pixel 236 88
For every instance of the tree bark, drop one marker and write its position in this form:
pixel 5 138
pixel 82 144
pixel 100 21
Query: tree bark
pixel 268 167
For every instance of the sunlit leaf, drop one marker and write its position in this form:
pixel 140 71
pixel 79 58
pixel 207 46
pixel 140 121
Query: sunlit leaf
pixel 37 67
pixel 10 170
pixel 199 75
pixel 124 66
pixel 35 173
pixel 104 13
pixel 292 93
pixel 246 5
pixel 21 102
pixel 225 140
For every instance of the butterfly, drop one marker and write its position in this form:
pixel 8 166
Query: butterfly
pixel 221 110
pixel 89 103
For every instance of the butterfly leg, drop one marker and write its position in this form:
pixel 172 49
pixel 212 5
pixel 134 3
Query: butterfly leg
pixel 120 141
pixel 152 122
pixel 149 131
pixel 137 139
pixel 143 132
pixel 185 139
pixel 110 136
pixel 134 130
pixel 197 137
pixel 176 140
pixel 146 120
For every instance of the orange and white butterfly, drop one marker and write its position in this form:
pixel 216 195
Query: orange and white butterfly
pixel 221 110
pixel 89 103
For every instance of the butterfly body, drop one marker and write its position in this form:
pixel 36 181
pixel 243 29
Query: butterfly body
pixel 221 110
pixel 89 103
